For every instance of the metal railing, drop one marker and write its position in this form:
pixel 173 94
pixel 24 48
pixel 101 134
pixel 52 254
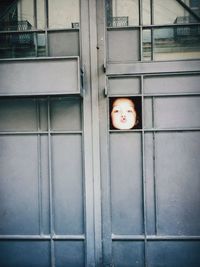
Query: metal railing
pixel 117 21
pixel 21 25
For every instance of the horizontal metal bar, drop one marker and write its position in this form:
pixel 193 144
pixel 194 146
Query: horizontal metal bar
pixel 155 95
pixel 22 133
pixel 172 237
pixel 22 31
pixel 42 237
pixel 126 131
pixel 153 237
pixel 40 58
pixel 125 95
pixel 39 132
pixel 63 30
pixel 172 94
pixel 127 237
pixel 151 26
pixel 138 75
pixel 68 237
pixel 172 129
pixel 40 31
pixel 25 237
pixel 65 132
pixel 156 130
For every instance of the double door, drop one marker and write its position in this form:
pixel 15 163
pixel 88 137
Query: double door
pixel 76 191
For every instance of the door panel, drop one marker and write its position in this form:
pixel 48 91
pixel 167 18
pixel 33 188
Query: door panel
pixel 41 182
pixel 177 183
pixel 126 183
pixel 67 184
pixel 19 170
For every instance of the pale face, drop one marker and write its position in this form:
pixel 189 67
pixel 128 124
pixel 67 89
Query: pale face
pixel 123 114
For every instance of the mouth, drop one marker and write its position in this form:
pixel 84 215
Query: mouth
pixel 123 120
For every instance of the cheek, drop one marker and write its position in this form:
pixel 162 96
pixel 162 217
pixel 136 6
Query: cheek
pixel 131 118
pixel 115 117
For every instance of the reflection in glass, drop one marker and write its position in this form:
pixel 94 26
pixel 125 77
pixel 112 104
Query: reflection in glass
pixel 17 45
pixel 171 12
pixel 181 42
pixel 147 45
pixel 16 15
pixel 64 14
pixel 122 13
pixel 41 45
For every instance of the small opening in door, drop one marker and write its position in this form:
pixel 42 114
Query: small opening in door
pixel 125 113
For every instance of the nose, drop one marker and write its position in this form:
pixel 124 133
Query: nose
pixel 123 115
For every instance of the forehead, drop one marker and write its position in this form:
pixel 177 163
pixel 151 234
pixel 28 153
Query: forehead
pixel 123 102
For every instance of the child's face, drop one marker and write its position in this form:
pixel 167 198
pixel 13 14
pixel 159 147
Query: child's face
pixel 123 114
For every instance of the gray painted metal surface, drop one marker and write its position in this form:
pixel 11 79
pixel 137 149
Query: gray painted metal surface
pixel 68 44
pixel 44 76
pixel 74 192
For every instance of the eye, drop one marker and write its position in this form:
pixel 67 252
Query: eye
pixel 116 111
pixel 129 111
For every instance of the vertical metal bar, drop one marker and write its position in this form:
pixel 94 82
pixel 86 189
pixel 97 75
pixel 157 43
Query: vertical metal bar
pixel 46 14
pixel 108 220
pixel 154 166
pixel 50 184
pixel 141 29
pixel 35 25
pixel 141 43
pixel 35 13
pixel 95 130
pixel 152 33
pixel 152 11
pixel 80 41
pixel 39 167
pixel 46 26
pixel 36 43
pixel 140 12
pixel 144 177
pixel 46 43
pixel 89 206
pixel 104 136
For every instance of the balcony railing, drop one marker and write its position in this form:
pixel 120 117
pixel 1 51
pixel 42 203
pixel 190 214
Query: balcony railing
pixel 22 25
pixel 186 33
pixel 117 22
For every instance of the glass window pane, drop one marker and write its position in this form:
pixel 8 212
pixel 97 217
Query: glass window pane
pixel 170 11
pixel 17 45
pixel 41 45
pixel 64 14
pixel 20 45
pixel 16 15
pixel 122 13
pixel 147 45
pixel 177 43
pixel 195 6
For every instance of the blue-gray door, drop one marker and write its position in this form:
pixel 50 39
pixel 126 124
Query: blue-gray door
pixel 42 184
pixel 151 174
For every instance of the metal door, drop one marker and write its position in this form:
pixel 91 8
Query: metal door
pixel 150 174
